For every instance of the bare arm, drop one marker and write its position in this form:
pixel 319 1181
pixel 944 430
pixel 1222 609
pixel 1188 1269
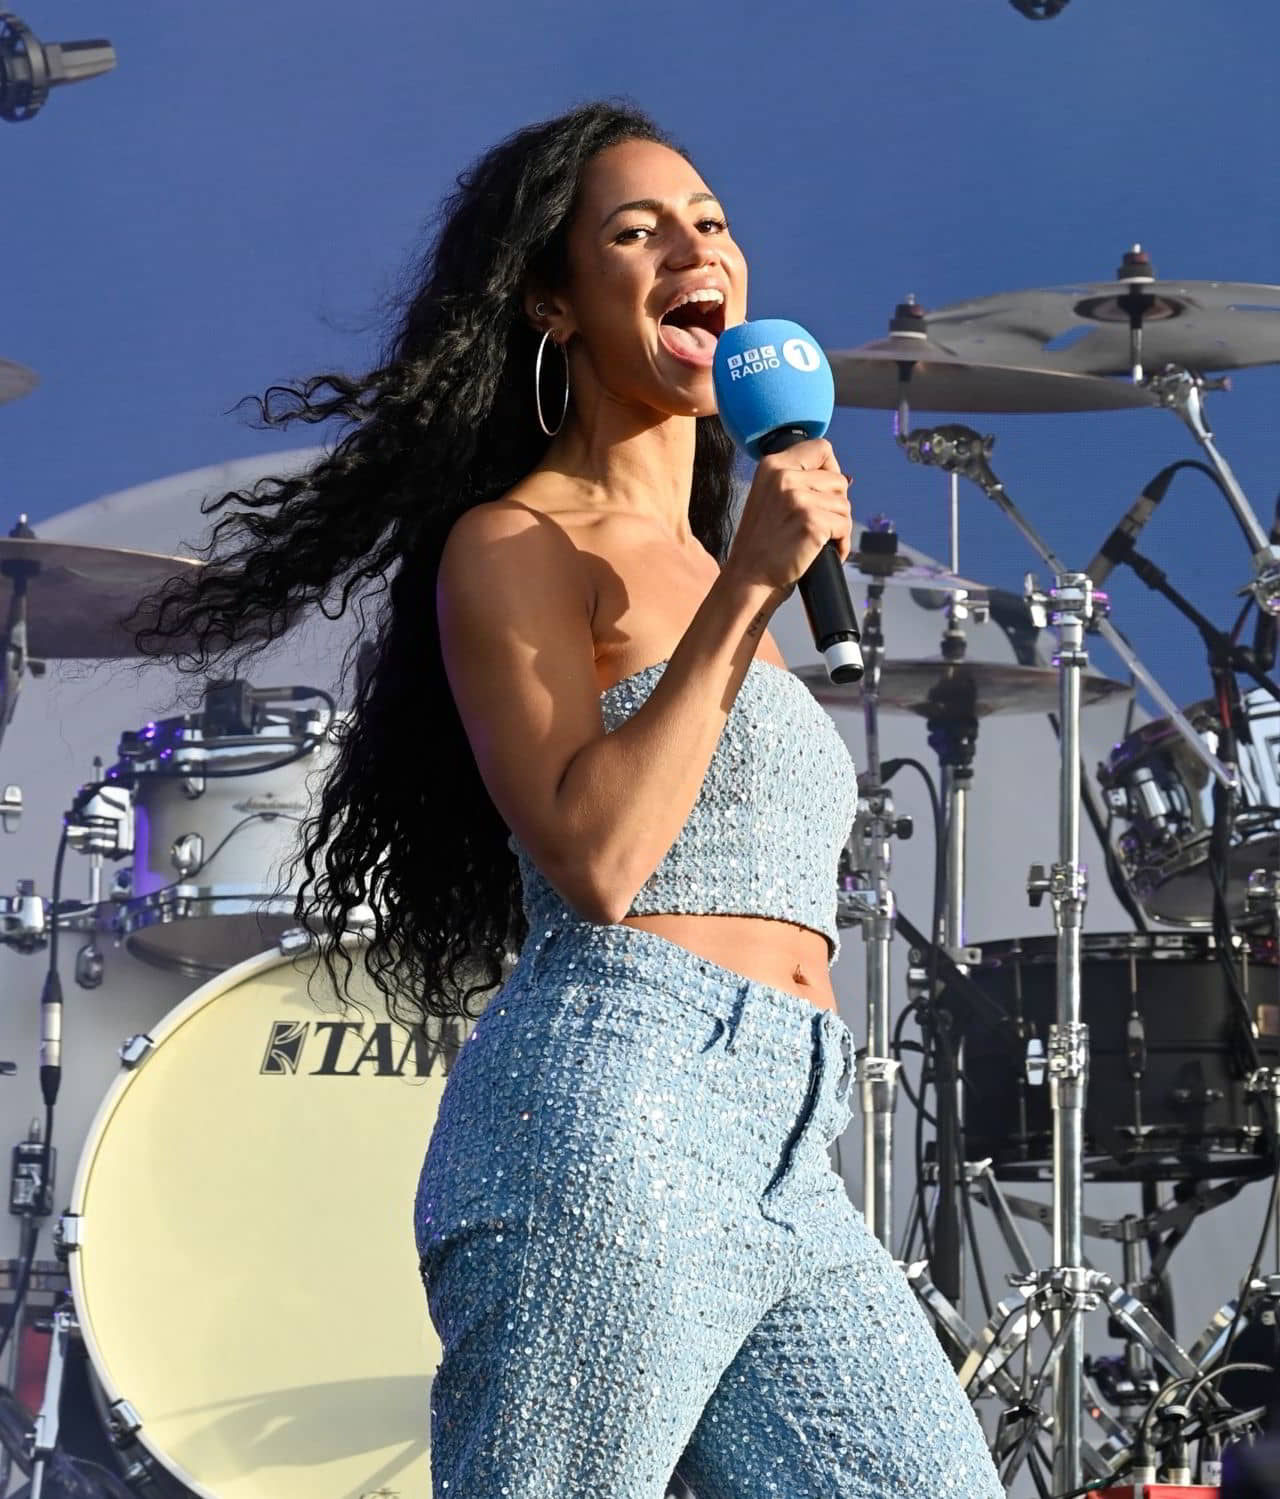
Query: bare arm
pixel 625 795
pixel 598 812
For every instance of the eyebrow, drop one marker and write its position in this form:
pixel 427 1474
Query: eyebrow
pixel 654 206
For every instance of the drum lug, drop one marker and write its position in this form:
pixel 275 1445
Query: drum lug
pixel 187 854
pixel 295 939
pixel 135 1050
pixel 124 1422
pixel 67 1234
pixel 10 807
pixel 1036 1062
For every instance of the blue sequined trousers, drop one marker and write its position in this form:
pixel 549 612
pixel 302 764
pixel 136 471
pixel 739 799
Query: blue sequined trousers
pixel 640 1261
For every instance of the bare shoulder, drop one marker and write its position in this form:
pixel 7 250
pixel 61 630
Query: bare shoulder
pixel 506 532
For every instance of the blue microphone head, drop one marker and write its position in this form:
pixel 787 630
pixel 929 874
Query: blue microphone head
pixel 769 374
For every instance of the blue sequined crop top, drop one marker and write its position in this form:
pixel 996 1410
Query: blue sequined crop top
pixel 764 836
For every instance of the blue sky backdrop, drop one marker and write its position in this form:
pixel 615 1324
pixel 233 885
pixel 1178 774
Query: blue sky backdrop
pixel 231 205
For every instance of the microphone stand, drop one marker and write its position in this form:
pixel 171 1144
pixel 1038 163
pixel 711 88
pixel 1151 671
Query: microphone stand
pixel 1224 653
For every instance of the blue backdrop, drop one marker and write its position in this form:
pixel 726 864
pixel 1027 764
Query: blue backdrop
pixel 232 204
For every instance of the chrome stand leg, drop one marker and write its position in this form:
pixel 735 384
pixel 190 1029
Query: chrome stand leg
pixel 872 859
pixel 44 1436
pixel 1072 605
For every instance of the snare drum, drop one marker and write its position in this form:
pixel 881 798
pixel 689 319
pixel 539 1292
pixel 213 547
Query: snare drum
pixel 244 1272
pixel 1156 785
pixel 1156 1004
pixel 216 818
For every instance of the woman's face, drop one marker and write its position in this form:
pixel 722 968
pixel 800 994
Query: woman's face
pixel 654 278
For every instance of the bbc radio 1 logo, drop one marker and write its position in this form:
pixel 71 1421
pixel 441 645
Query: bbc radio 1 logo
pixel 799 353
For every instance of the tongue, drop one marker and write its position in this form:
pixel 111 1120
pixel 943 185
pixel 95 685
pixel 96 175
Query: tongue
pixel 688 343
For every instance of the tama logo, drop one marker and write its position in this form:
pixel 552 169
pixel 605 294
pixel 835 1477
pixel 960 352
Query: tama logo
pixel 799 353
pixel 349 1048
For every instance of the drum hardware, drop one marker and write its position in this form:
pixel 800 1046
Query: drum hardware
pixel 258 1055
pixel 961 448
pixel 72 597
pixel 1165 852
pixel 922 686
pixel 196 897
pixel 1202 325
pixel 911 368
pixel 1176 328
pixel 1067 1288
pixel 868 899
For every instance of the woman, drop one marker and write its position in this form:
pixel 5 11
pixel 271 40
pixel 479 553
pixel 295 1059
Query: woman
pixel 634 1249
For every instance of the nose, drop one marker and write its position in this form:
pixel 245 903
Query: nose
pixel 689 248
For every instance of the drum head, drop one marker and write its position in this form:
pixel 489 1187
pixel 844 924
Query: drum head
pixel 247 1279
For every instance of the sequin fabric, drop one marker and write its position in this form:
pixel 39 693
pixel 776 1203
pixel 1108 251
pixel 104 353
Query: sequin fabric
pixel 775 808
pixel 640 1262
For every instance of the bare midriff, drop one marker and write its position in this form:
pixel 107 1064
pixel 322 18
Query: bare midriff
pixel 777 953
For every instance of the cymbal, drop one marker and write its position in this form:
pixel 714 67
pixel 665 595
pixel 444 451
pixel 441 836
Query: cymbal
pixel 932 688
pixel 1200 325
pixel 942 379
pixel 78 595
pixel 16 380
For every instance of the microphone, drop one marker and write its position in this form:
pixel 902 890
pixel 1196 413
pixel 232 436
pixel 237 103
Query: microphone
pixel 1120 543
pixel 774 388
pixel 51 1037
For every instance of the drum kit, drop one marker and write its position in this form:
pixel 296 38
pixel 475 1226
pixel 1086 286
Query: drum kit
pixel 1147 1056
pixel 1138 1057
pixel 220 1318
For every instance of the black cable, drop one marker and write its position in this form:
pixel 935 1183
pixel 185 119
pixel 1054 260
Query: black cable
pixel 1255 1264
pixel 888 770
pixel 44 1188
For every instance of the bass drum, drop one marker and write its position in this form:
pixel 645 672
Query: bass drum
pixel 242 1260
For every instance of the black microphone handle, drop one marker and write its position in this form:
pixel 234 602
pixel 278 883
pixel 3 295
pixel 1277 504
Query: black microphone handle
pixel 824 591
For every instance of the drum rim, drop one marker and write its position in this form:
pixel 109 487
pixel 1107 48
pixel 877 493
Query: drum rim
pixel 1042 946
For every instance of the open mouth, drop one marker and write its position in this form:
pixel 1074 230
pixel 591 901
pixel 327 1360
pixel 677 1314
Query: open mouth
pixel 690 331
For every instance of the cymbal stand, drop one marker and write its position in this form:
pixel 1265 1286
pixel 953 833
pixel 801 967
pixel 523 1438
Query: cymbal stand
pixel 867 894
pixel 1068 1288
pixel 1182 392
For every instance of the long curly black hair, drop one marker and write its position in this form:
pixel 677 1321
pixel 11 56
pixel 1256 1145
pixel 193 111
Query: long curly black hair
pixel 404 824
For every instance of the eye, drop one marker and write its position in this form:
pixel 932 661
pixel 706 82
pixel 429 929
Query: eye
pixel 719 225
pixel 633 229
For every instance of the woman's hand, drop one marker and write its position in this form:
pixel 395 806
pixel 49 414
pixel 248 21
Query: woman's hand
pixel 798 501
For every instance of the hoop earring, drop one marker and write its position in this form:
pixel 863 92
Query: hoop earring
pixel 537 387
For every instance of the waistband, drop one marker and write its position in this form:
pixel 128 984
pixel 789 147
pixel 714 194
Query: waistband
pixel 621 953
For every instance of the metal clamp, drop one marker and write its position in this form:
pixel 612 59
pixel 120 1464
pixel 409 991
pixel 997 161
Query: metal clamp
pixel 1065 884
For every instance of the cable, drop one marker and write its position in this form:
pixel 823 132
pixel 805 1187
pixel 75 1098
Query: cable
pixel 1254 1266
pixel 44 1187
pixel 888 770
